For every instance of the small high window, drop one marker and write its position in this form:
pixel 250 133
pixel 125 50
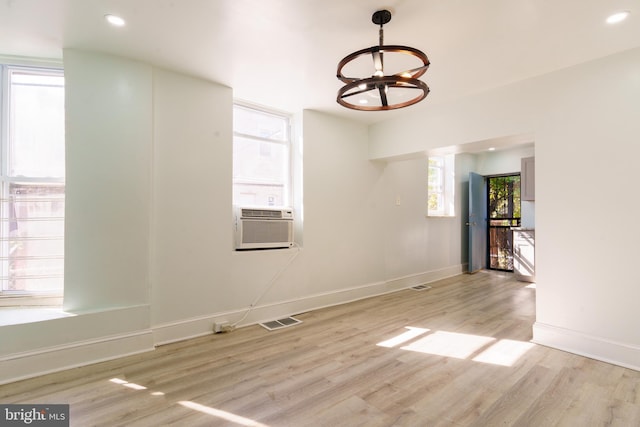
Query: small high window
pixel 440 192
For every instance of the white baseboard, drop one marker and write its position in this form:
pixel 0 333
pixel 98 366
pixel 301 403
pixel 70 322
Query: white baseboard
pixel 41 347
pixel 19 366
pixel 203 325
pixel 426 277
pixel 593 347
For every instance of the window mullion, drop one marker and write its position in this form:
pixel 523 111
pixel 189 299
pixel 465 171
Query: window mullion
pixel 259 138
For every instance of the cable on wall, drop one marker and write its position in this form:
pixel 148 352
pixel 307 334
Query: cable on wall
pixel 268 286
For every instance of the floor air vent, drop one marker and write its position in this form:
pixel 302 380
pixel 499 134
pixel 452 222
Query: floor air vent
pixel 280 323
pixel 421 287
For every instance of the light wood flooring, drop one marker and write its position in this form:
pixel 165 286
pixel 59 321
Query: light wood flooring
pixel 455 355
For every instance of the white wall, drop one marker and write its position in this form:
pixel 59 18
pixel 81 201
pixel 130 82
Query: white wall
pixel 585 169
pixel 192 234
pixel 414 242
pixel 470 120
pixel 586 127
pixel 502 161
pixel 108 181
pixel 198 278
pixel 342 203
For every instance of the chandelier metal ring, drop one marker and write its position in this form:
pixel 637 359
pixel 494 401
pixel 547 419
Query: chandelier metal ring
pixel 382 84
pixel 415 72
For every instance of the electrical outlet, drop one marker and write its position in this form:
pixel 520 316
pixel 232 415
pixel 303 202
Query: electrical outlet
pixel 223 326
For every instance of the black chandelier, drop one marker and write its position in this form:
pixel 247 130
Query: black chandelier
pixel 383 91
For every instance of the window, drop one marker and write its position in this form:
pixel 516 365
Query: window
pixel 441 186
pixel 261 157
pixel 32 189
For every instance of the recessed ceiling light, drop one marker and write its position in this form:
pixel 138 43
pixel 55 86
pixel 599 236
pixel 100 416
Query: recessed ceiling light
pixel 492 148
pixel 618 17
pixel 114 20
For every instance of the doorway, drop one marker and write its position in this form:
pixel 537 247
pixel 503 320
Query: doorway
pixel 503 212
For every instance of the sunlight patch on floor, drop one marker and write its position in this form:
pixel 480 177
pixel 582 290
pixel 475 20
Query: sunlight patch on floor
pixel 504 352
pixel 483 349
pixel 228 416
pixel 403 337
pixel 449 344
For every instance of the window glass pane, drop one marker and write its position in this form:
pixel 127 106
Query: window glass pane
pixel 504 196
pixel 261 158
pixel 32 209
pixel 435 186
pixel 259 195
pixel 260 124
pixel 34 225
pixel 36 125
pixel 440 187
pixel 504 213
pixel 260 172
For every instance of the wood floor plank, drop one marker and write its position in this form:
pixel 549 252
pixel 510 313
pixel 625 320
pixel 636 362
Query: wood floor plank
pixel 429 358
pixel 517 399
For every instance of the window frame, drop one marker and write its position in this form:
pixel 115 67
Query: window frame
pixel 287 143
pixel 7 65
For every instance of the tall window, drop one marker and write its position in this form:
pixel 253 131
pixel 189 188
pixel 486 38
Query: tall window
pixel 440 200
pixel 261 157
pixel 32 181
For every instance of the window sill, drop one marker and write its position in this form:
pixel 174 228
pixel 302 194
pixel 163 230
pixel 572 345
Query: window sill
pixel 25 301
pixel 20 315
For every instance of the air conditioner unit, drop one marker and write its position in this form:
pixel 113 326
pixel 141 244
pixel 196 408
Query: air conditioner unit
pixel 263 228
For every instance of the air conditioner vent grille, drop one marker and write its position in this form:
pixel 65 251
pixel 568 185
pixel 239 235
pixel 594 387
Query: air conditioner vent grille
pixel 262 213
pixel 263 228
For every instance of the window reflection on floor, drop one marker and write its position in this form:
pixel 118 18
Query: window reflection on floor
pixel 218 413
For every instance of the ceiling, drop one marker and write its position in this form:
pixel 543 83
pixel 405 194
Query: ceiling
pixel 284 53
